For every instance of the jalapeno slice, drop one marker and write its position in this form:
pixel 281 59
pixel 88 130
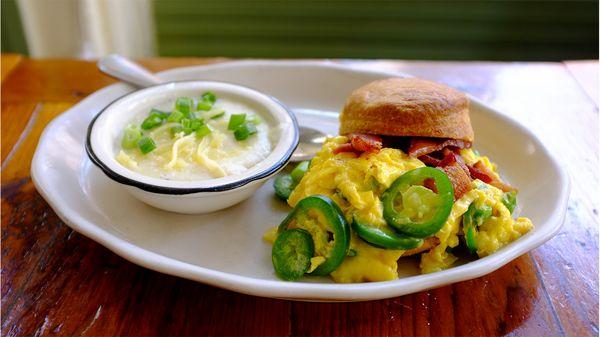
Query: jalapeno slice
pixel 509 199
pixel 284 185
pixel 384 237
pixel 431 210
pixel 291 254
pixel 474 217
pixel 335 222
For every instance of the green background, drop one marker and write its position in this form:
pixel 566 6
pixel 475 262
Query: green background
pixel 449 30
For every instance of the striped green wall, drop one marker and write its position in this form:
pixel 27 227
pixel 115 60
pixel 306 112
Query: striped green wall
pixel 466 30
pixel 13 38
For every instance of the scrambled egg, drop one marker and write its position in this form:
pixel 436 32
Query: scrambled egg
pixel 356 185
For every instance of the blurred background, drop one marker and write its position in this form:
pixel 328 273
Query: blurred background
pixel 428 30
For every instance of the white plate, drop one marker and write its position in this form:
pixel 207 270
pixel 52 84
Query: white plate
pixel 225 249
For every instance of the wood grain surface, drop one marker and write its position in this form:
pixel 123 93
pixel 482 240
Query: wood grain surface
pixel 57 282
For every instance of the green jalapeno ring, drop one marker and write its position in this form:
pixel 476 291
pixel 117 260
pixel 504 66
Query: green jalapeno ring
pixel 384 237
pixel 336 221
pixel 471 239
pixel 474 217
pixel 509 199
pixel 415 177
pixel 291 254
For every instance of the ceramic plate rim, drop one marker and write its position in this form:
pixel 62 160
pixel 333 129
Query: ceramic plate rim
pixel 299 290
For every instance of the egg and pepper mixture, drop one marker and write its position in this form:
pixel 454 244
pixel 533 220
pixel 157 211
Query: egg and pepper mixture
pixel 380 196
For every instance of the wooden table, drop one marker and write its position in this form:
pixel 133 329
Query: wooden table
pixel 57 282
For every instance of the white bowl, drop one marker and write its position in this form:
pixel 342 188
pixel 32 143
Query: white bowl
pixel 190 197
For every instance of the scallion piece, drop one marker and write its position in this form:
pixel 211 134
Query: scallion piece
pixel 244 131
pixel 217 116
pixel 203 131
pixel 175 129
pixel 209 97
pixel 204 105
pixel 236 120
pixel 184 104
pixel 152 121
pixel 161 114
pixel 146 144
pixel 175 117
pixel 131 136
pixel 191 125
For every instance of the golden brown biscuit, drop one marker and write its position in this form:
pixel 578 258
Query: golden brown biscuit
pixel 407 107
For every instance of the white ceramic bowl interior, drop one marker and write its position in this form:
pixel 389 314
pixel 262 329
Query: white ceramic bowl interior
pixel 198 196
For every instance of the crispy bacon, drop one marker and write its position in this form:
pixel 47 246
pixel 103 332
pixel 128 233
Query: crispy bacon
pixel 420 146
pixel 461 181
pixel 430 161
pixel 457 171
pixel 477 173
pixel 430 184
pixel 343 148
pixel 365 143
pixel 492 180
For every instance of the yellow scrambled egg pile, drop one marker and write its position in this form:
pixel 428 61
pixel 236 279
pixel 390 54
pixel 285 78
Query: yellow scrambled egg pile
pixel 356 185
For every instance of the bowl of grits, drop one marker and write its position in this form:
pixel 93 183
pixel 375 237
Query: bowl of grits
pixel 194 146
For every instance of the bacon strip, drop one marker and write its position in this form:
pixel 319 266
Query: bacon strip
pixel 343 148
pixel 457 172
pixel 360 142
pixel 420 146
pixel 430 161
pixel 492 180
pixel 365 143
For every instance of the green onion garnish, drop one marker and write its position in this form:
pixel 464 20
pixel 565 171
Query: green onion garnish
pixel 191 125
pixel 204 105
pixel 236 120
pixel 131 136
pixel 146 144
pixel 209 97
pixel 175 116
pixel 244 131
pixel 217 116
pixel 204 130
pixel 159 113
pixel 175 129
pixel 152 121
pixel 184 104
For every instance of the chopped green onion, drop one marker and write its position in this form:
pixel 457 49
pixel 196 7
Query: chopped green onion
pixel 159 113
pixel 209 97
pixel 217 116
pixel 175 116
pixel 175 129
pixel 255 119
pixel 131 135
pixel 236 120
pixel 184 104
pixel 146 144
pixel 244 131
pixel 351 252
pixel 152 121
pixel 203 130
pixel 204 105
pixel 191 125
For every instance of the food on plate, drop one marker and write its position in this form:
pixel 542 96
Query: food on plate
pixel 401 180
pixel 195 139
